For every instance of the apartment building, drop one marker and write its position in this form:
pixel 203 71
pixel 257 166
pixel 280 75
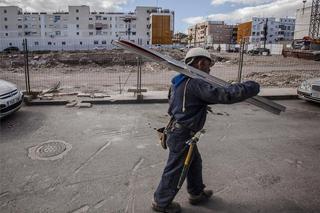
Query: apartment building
pixel 210 32
pixel 274 30
pixel 79 28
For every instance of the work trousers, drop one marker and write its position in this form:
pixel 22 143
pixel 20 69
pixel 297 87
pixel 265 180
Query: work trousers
pixel 178 149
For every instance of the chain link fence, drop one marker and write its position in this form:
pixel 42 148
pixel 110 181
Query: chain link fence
pixel 113 71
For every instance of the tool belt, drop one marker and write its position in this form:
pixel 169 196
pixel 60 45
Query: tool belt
pixel 163 131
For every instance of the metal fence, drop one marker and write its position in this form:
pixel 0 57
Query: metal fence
pixel 114 71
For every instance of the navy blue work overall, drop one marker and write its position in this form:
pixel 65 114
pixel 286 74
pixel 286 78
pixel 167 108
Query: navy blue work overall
pixel 188 104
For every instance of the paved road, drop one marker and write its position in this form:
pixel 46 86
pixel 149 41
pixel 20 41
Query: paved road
pixel 254 161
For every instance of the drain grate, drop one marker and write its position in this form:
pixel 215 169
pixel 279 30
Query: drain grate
pixel 49 150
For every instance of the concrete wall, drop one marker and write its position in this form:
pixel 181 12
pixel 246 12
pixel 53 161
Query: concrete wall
pixel 302 22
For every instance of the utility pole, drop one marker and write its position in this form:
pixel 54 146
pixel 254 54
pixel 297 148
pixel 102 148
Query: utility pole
pixel 265 32
pixel 304 5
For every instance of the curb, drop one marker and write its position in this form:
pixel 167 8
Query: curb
pixel 133 101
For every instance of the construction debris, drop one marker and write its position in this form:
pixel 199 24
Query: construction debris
pixel 86 95
pixel 71 104
pixel 52 89
pixel 100 95
pixel 84 105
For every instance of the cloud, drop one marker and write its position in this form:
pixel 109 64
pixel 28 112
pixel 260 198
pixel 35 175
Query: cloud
pixel 278 8
pixel 58 5
pixel 246 2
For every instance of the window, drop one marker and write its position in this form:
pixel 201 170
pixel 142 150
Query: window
pixel 104 42
pixel 90 33
pixel 148 19
pixel 5 19
pixel 56 18
pixel 90 18
pixel 148 33
pixel 105 18
pixel 7 34
pixel 77 18
pixel 77 33
pixel 25 26
pixel 20 26
pixel 36 43
pixel 110 18
pixel 95 42
pixel 49 43
pixel 5 11
pixel 5 26
pixel 133 33
pixel 58 33
pixel 63 43
pixel 110 25
pixel 80 42
pixel 77 11
pixel 77 25
pixel 98 17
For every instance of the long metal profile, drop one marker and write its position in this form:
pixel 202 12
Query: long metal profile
pixel 192 72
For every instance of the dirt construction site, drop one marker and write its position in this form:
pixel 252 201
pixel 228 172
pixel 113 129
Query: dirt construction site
pixel 115 71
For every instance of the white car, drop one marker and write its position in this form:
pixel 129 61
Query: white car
pixel 310 90
pixel 10 98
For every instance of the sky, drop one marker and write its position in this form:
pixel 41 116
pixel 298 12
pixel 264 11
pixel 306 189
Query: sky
pixel 187 12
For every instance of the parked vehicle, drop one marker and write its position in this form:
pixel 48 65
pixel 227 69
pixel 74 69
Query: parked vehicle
pixel 259 51
pixel 11 50
pixel 310 90
pixel 10 98
pixel 233 50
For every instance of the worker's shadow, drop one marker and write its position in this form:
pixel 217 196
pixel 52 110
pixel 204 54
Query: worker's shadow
pixel 217 204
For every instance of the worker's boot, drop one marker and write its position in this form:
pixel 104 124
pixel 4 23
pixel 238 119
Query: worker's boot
pixel 171 208
pixel 202 197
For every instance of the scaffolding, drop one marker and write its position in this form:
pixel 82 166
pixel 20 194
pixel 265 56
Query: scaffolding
pixel 315 20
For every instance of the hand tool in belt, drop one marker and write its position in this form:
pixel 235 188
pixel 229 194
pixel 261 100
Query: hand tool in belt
pixel 192 142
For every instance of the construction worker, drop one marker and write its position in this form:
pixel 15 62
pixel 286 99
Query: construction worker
pixel 188 106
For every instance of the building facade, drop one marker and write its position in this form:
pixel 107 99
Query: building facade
pixel 78 28
pixel 272 29
pixel 161 28
pixel 302 22
pixel 210 32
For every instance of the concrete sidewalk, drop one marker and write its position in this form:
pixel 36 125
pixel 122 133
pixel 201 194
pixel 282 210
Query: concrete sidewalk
pixel 253 160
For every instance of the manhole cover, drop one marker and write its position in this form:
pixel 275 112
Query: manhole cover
pixel 49 150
